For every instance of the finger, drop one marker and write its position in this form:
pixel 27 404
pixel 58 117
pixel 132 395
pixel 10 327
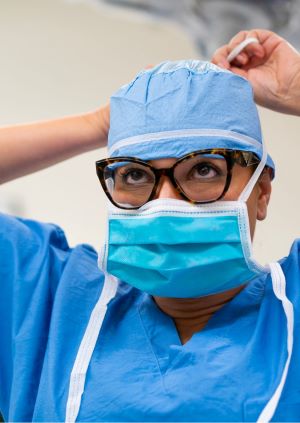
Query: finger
pixel 241 59
pixel 220 55
pixel 268 41
pixel 246 42
pixel 260 34
pixel 253 48
pixel 256 52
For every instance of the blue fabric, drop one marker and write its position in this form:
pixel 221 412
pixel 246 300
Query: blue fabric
pixel 178 256
pixel 188 94
pixel 139 370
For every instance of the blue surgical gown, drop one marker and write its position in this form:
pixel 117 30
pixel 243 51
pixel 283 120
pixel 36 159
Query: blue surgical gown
pixel 139 370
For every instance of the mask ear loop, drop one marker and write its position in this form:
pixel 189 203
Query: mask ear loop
pixel 240 47
pixel 254 178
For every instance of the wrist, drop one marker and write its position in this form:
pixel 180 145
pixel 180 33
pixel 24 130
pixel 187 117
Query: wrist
pixel 289 91
pixel 292 100
pixel 98 121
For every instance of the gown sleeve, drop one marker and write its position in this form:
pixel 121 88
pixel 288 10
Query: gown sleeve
pixel 32 258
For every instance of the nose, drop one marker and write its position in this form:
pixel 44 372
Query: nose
pixel 167 190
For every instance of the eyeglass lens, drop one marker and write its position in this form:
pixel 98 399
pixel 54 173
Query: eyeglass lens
pixel 202 178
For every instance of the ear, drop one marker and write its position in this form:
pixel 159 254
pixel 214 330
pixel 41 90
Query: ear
pixel 264 193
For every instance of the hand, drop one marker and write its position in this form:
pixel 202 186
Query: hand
pixel 272 66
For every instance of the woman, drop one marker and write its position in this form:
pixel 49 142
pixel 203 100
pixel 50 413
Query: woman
pixel 164 344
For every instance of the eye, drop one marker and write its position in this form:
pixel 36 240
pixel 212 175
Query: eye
pixel 135 176
pixel 204 171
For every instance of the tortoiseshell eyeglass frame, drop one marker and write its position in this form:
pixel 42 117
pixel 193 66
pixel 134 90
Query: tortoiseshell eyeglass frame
pixel 242 158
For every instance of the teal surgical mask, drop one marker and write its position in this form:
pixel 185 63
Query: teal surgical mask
pixel 170 248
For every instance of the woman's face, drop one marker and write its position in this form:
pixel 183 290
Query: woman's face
pixel 257 202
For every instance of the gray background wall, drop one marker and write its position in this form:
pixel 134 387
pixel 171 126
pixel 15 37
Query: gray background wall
pixel 58 59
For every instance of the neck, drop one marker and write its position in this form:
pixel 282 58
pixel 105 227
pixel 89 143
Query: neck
pixel 191 315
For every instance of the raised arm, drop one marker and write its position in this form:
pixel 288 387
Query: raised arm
pixel 272 66
pixel 27 148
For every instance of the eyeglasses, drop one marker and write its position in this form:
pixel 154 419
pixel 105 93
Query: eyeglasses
pixel 203 176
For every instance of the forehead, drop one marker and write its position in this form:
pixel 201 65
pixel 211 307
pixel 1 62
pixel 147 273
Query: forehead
pixel 166 162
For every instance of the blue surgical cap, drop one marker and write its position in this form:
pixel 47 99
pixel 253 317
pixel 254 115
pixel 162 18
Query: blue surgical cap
pixel 179 107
